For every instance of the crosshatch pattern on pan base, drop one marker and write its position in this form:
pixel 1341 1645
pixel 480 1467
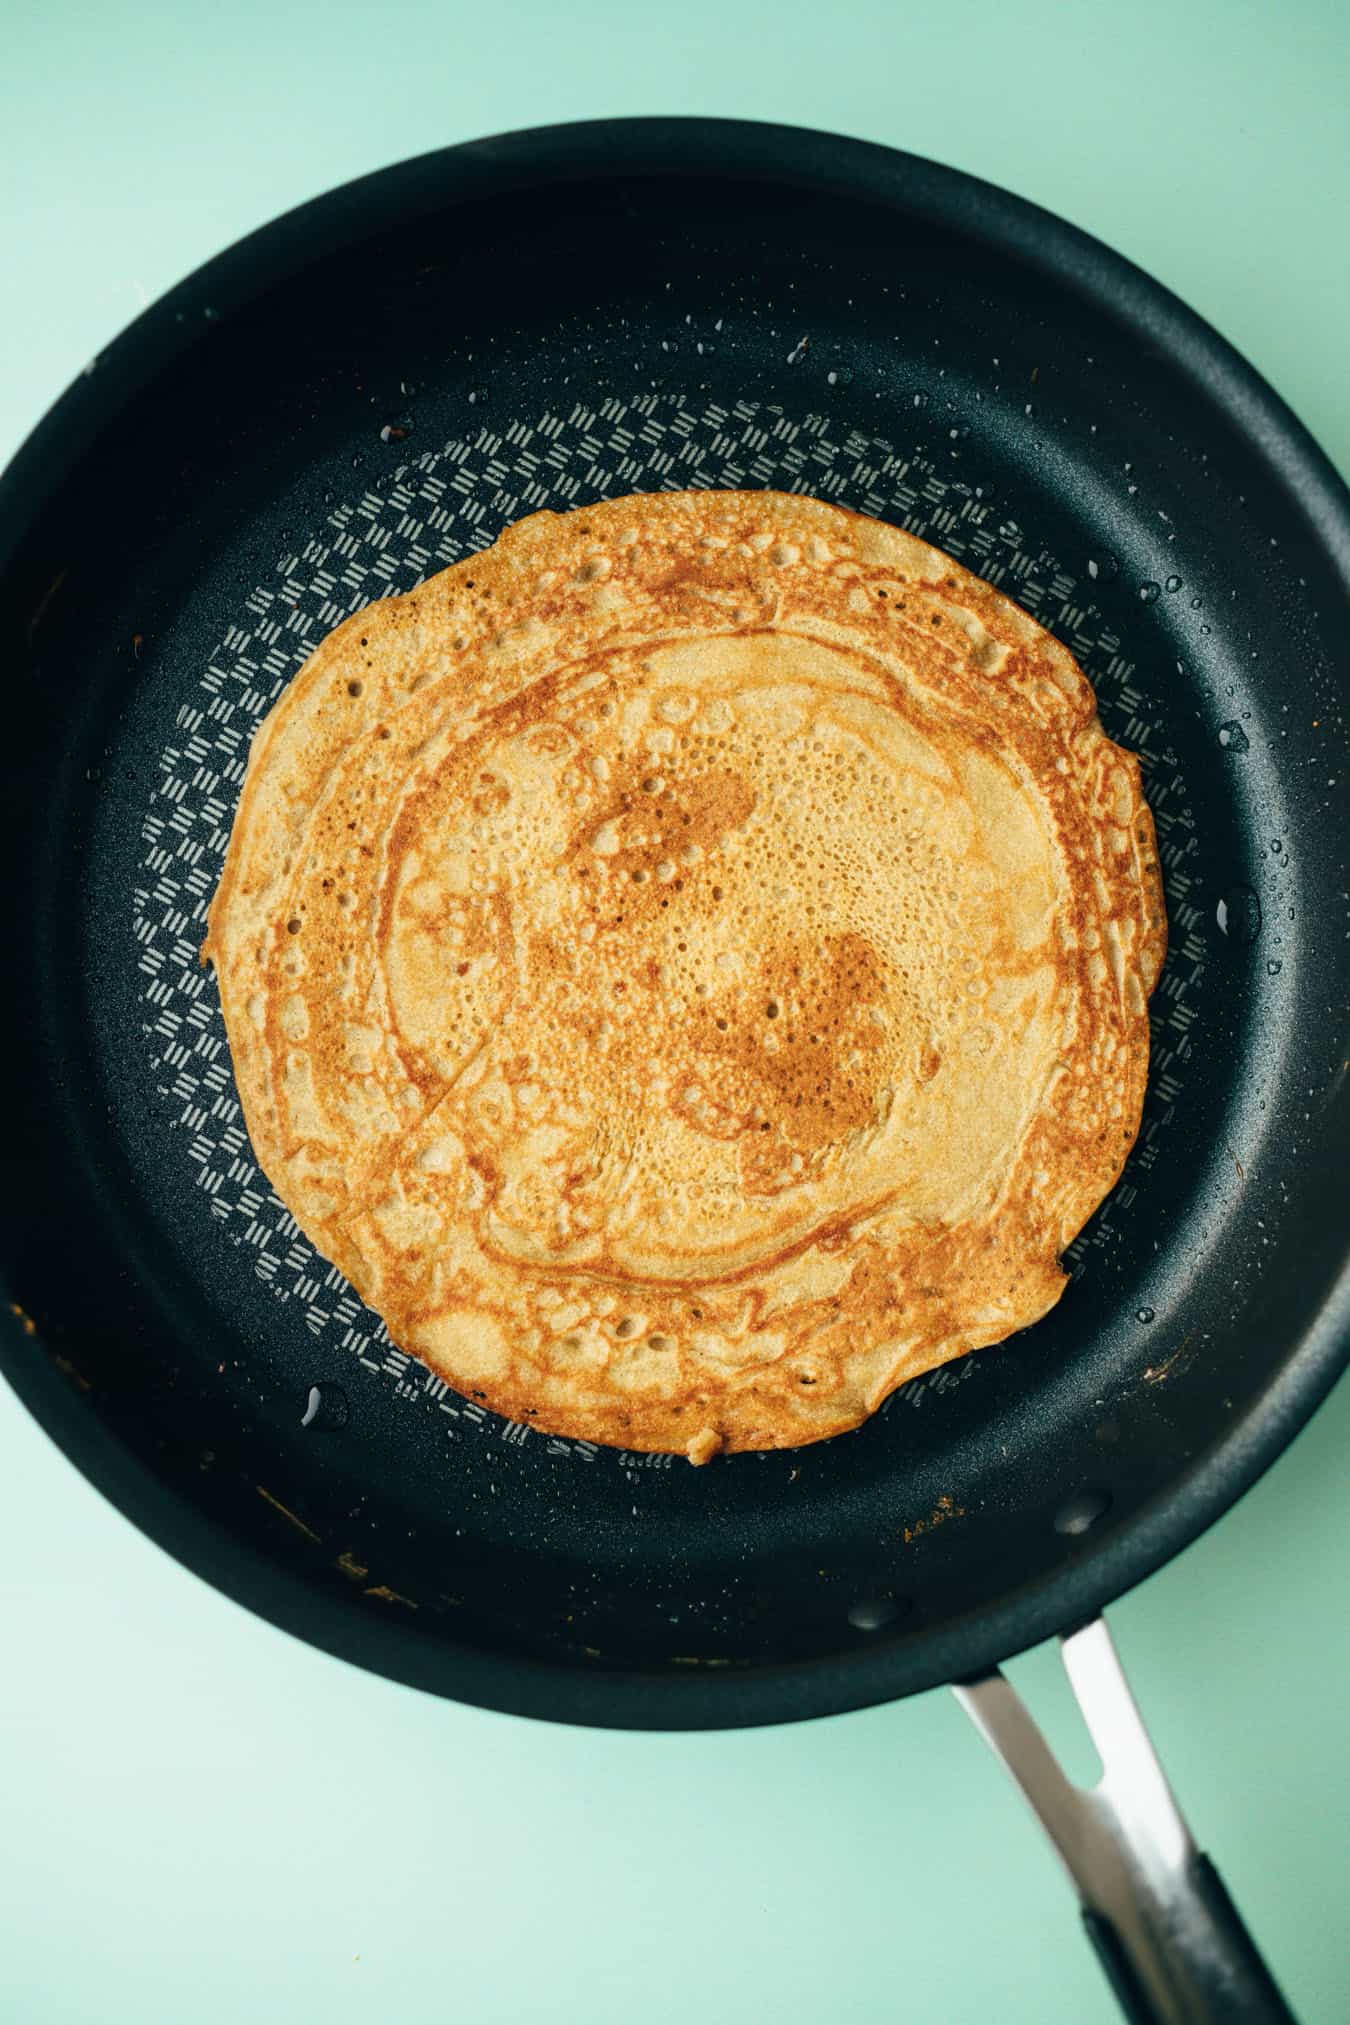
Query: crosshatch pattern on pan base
pixel 450 502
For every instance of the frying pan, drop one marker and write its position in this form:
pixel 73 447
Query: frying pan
pixel 375 385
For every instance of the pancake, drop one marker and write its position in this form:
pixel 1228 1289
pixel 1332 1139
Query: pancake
pixel 688 966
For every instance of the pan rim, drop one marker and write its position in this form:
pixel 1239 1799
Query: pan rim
pixel 681 145
pixel 684 1697
pixel 1093 1573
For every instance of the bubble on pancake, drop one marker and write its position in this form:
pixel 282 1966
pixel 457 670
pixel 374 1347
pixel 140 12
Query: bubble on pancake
pixel 719 984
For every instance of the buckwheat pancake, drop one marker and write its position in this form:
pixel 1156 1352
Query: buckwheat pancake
pixel 688 966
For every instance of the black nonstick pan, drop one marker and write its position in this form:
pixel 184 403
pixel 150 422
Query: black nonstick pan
pixel 372 387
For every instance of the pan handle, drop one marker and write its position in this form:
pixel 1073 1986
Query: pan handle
pixel 1169 1937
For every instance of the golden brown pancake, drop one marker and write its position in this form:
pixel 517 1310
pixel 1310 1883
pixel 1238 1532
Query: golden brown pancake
pixel 688 966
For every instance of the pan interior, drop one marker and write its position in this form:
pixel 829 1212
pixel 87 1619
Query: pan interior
pixel 313 441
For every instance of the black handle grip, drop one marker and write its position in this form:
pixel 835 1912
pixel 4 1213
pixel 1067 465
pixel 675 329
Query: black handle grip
pixel 1217 1973
pixel 1133 1999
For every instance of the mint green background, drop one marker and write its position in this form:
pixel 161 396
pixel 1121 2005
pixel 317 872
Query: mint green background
pixel 204 1821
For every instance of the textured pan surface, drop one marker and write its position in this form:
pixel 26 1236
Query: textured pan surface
pixel 688 966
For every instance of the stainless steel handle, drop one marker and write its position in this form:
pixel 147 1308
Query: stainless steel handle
pixel 1170 1939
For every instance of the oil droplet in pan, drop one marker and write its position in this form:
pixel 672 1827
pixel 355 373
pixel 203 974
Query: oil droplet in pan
pixel 1239 915
pixel 327 1407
